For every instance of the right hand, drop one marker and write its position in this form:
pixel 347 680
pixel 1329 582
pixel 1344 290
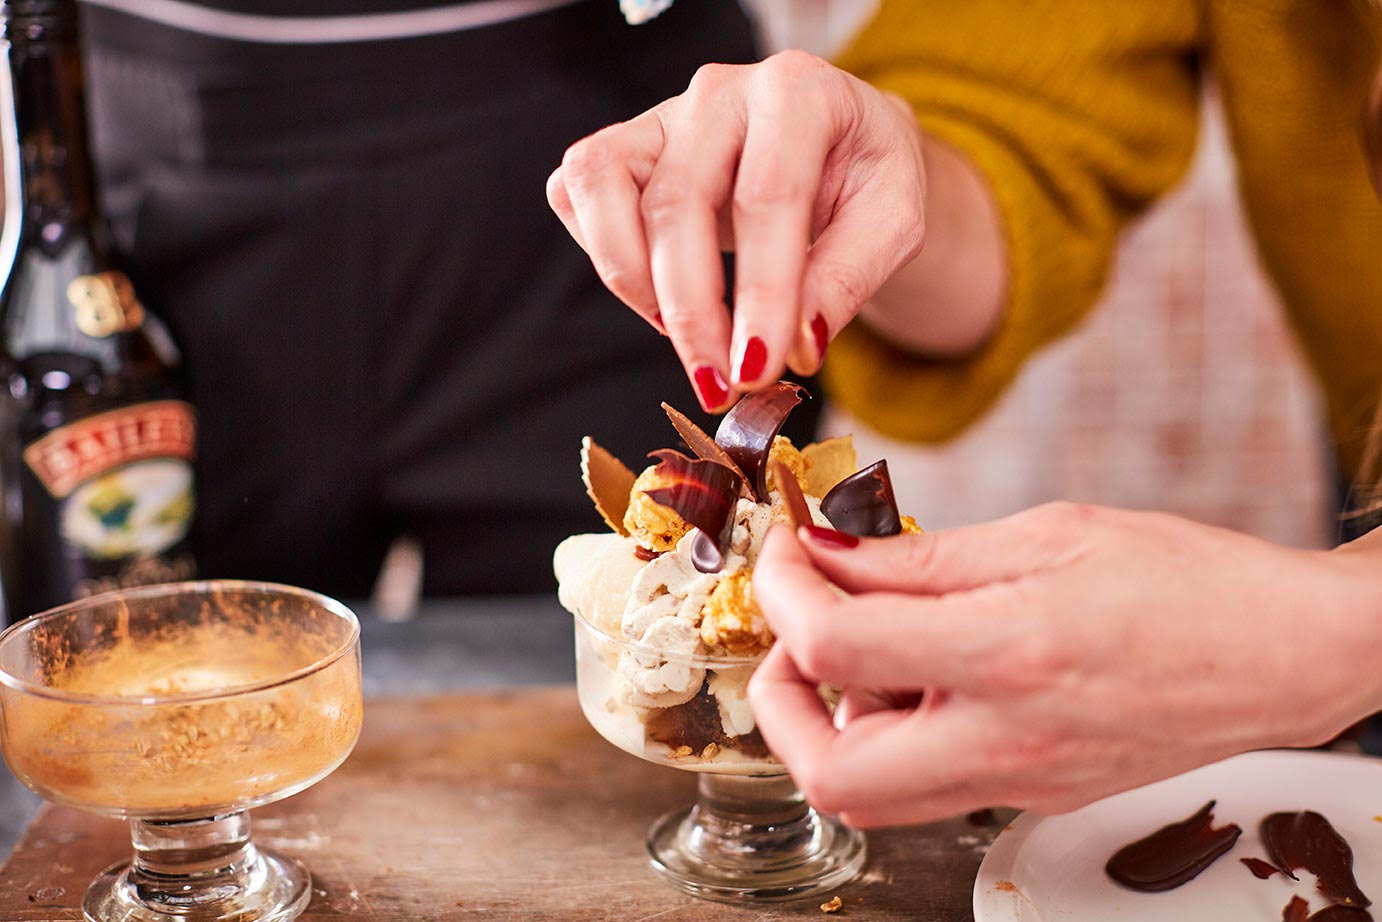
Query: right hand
pixel 814 178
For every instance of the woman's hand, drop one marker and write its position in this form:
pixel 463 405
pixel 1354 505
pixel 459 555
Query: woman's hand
pixel 1068 653
pixel 815 179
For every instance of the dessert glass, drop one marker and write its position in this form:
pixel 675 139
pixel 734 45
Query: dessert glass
pixel 180 707
pixel 750 837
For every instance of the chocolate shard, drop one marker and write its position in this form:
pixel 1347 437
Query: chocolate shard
pixel 747 431
pixel 787 485
pixel 703 493
pixel 1260 869
pixel 701 444
pixel 1307 840
pixel 607 482
pixel 1174 854
pixel 1295 911
pixel 863 504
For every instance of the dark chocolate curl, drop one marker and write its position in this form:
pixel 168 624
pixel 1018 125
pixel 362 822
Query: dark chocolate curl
pixel 863 504
pixel 702 445
pixel 703 493
pixel 748 429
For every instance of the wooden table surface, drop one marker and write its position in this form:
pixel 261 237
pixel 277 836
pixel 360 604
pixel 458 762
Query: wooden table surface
pixel 503 806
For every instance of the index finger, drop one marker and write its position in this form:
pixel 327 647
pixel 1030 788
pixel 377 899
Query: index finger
pixel 883 640
pixel 788 137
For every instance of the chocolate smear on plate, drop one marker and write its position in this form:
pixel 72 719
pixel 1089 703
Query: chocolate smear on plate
pixel 863 504
pixel 1174 854
pixel 1260 869
pixel 1306 840
pixel 747 431
pixel 704 494
pixel 1338 913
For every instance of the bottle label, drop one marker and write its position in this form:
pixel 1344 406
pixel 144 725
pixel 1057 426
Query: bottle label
pixel 124 478
pixel 105 304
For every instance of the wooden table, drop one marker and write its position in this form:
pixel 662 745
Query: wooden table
pixel 503 806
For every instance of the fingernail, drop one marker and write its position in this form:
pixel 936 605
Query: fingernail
pixel 831 537
pixel 822 333
pixel 710 387
pixel 753 361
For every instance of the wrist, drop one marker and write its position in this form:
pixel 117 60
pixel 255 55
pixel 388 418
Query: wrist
pixel 948 301
pixel 1346 627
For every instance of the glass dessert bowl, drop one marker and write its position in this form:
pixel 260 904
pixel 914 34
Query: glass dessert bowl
pixel 180 707
pixel 750 835
pixel 668 635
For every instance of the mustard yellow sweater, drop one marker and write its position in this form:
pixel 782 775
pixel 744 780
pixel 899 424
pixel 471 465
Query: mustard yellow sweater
pixel 1080 113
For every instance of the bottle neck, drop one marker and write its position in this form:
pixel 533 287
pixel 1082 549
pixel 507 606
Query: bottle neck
pixel 58 187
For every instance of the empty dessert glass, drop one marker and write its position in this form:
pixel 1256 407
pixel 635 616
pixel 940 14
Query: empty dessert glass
pixel 180 707
pixel 750 836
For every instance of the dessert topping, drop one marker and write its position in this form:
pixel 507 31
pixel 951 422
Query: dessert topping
pixel 747 431
pixel 703 493
pixel 732 619
pixel 608 483
pixel 863 504
pixel 828 462
pixel 797 509
pixel 701 444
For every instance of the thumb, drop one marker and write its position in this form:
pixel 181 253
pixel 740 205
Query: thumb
pixel 956 560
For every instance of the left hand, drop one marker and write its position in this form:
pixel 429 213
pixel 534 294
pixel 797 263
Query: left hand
pixel 1067 653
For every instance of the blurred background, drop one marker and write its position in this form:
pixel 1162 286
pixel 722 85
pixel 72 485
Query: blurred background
pixel 1184 390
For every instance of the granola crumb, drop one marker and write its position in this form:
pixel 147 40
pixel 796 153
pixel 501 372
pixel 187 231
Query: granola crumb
pixel 835 904
pixel 682 752
pixel 710 751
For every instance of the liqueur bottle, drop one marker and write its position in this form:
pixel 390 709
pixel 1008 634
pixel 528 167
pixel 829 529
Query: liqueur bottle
pixel 96 440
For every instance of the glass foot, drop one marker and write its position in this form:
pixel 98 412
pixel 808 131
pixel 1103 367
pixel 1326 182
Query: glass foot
pixel 754 840
pixel 199 871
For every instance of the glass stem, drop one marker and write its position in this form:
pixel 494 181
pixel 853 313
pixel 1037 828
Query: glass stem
pixel 749 820
pixel 187 863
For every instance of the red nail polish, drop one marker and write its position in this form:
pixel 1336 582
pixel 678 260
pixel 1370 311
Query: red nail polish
pixel 710 387
pixel 822 334
pixel 754 361
pixel 831 537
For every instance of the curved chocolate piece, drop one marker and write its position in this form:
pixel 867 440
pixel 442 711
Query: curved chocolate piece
pixel 1306 840
pixel 703 493
pixel 702 445
pixel 1295 911
pixel 748 429
pixel 863 504
pixel 1173 854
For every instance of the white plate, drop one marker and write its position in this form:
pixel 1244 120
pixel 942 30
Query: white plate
pixel 1051 869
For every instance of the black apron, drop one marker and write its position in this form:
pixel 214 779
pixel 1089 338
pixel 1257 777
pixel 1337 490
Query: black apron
pixel 386 331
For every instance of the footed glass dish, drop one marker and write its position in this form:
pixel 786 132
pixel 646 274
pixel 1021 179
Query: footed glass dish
pixel 180 707
pixel 750 837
